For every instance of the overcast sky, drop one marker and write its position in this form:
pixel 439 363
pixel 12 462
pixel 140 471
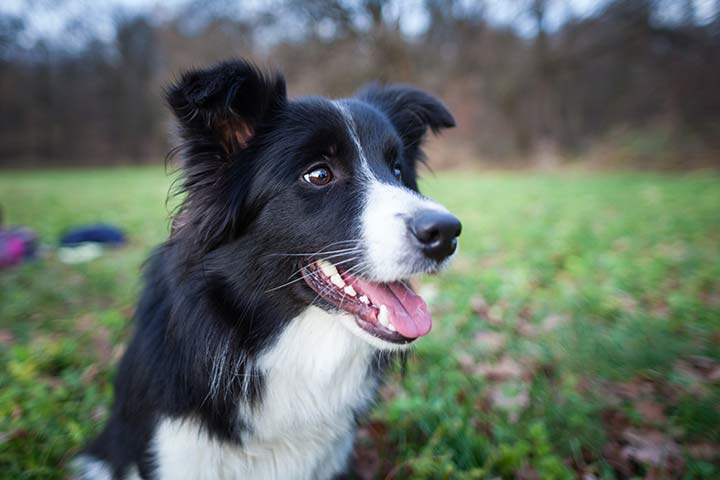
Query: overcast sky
pixel 42 20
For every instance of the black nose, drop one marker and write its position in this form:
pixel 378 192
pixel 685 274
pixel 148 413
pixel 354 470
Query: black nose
pixel 437 233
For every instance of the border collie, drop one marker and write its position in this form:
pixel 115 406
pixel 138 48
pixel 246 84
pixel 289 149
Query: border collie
pixel 270 314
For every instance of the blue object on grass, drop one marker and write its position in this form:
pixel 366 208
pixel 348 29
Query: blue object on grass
pixel 100 233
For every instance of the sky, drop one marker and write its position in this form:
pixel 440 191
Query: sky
pixel 45 20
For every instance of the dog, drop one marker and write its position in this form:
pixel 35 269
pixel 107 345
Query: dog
pixel 270 314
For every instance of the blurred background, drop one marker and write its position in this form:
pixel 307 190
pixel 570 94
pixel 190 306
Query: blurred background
pixel 576 336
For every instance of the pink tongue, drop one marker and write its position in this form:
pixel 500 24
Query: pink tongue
pixel 407 311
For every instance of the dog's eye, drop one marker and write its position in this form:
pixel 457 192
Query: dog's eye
pixel 318 176
pixel 397 170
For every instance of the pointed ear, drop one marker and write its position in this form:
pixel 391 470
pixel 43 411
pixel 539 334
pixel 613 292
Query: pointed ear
pixel 225 103
pixel 411 111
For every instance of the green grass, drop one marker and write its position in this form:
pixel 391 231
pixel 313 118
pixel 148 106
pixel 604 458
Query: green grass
pixel 597 299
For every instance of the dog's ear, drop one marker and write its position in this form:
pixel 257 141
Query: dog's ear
pixel 225 103
pixel 219 111
pixel 411 111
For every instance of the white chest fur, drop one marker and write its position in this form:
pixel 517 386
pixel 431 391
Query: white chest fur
pixel 315 376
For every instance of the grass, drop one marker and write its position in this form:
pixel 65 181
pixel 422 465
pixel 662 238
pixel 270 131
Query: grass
pixel 578 333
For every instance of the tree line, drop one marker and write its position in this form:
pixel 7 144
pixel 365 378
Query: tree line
pixel 629 83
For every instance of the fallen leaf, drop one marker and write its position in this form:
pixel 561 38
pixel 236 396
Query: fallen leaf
pixel 704 451
pixel 102 344
pixel 553 321
pixel 6 337
pixel 479 305
pixel 90 374
pixel 527 472
pixel 505 369
pixel 491 342
pixel 527 329
pixel 389 391
pixel 495 315
pixel 366 458
pixel 652 412
pixel 511 397
pixel 637 388
pixel 86 323
pixel 613 455
pixel 616 422
pixel 699 372
pixel 653 448
pixel 52 382
pixel 99 413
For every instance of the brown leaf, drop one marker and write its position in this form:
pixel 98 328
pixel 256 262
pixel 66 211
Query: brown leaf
pixel 6 337
pixel 102 344
pixel 491 342
pixel 495 315
pixel 479 305
pixel 90 374
pixel 117 352
pixel 13 434
pixel 390 390
pixel 52 382
pixel 612 453
pixel 553 321
pixel 86 323
pixel 616 422
pixel 505 369
pixel 99 413
pixel 527 329
pixel 652 412
pixel 636 388
pixel 366 458
pixel 704 451
pixel 699 372
pixel 527 472
pixel 653 448
pixel 510 397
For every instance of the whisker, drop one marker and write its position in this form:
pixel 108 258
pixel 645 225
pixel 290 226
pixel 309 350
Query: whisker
pixel 328 257
pixel 314 254
pixel 301 278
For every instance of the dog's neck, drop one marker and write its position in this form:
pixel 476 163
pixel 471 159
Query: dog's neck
pixel 318 378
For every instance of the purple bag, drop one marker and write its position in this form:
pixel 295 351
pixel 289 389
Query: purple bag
pixel 16 246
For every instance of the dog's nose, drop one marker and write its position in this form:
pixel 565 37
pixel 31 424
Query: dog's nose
pixel 437 233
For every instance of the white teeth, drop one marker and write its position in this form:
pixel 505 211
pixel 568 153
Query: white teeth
pixel 364 299
pixel 327 268
pixel 391 327
pixel 383 316
pixel 350 290
pixel 337 280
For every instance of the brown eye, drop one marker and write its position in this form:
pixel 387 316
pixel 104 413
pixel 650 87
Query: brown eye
pixel 318 176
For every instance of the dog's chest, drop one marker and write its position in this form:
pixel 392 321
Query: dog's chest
pixel 316 377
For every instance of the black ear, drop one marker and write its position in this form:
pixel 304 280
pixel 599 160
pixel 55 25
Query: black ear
pixel 225 103
pixel 411 111
pixel 219 111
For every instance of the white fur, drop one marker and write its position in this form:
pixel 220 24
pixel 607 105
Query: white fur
pixel 352 130
pixel 315 376
pixel 390 249
pixel 87 467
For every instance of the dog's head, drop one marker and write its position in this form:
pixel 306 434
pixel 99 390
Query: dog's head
pixel 317 197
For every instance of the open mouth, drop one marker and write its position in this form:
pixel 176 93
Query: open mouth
pixel 390 311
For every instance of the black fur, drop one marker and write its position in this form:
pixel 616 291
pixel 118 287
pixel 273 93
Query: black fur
pixel 208 290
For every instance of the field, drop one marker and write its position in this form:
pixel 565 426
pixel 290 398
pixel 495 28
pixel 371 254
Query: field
pixel 578 333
